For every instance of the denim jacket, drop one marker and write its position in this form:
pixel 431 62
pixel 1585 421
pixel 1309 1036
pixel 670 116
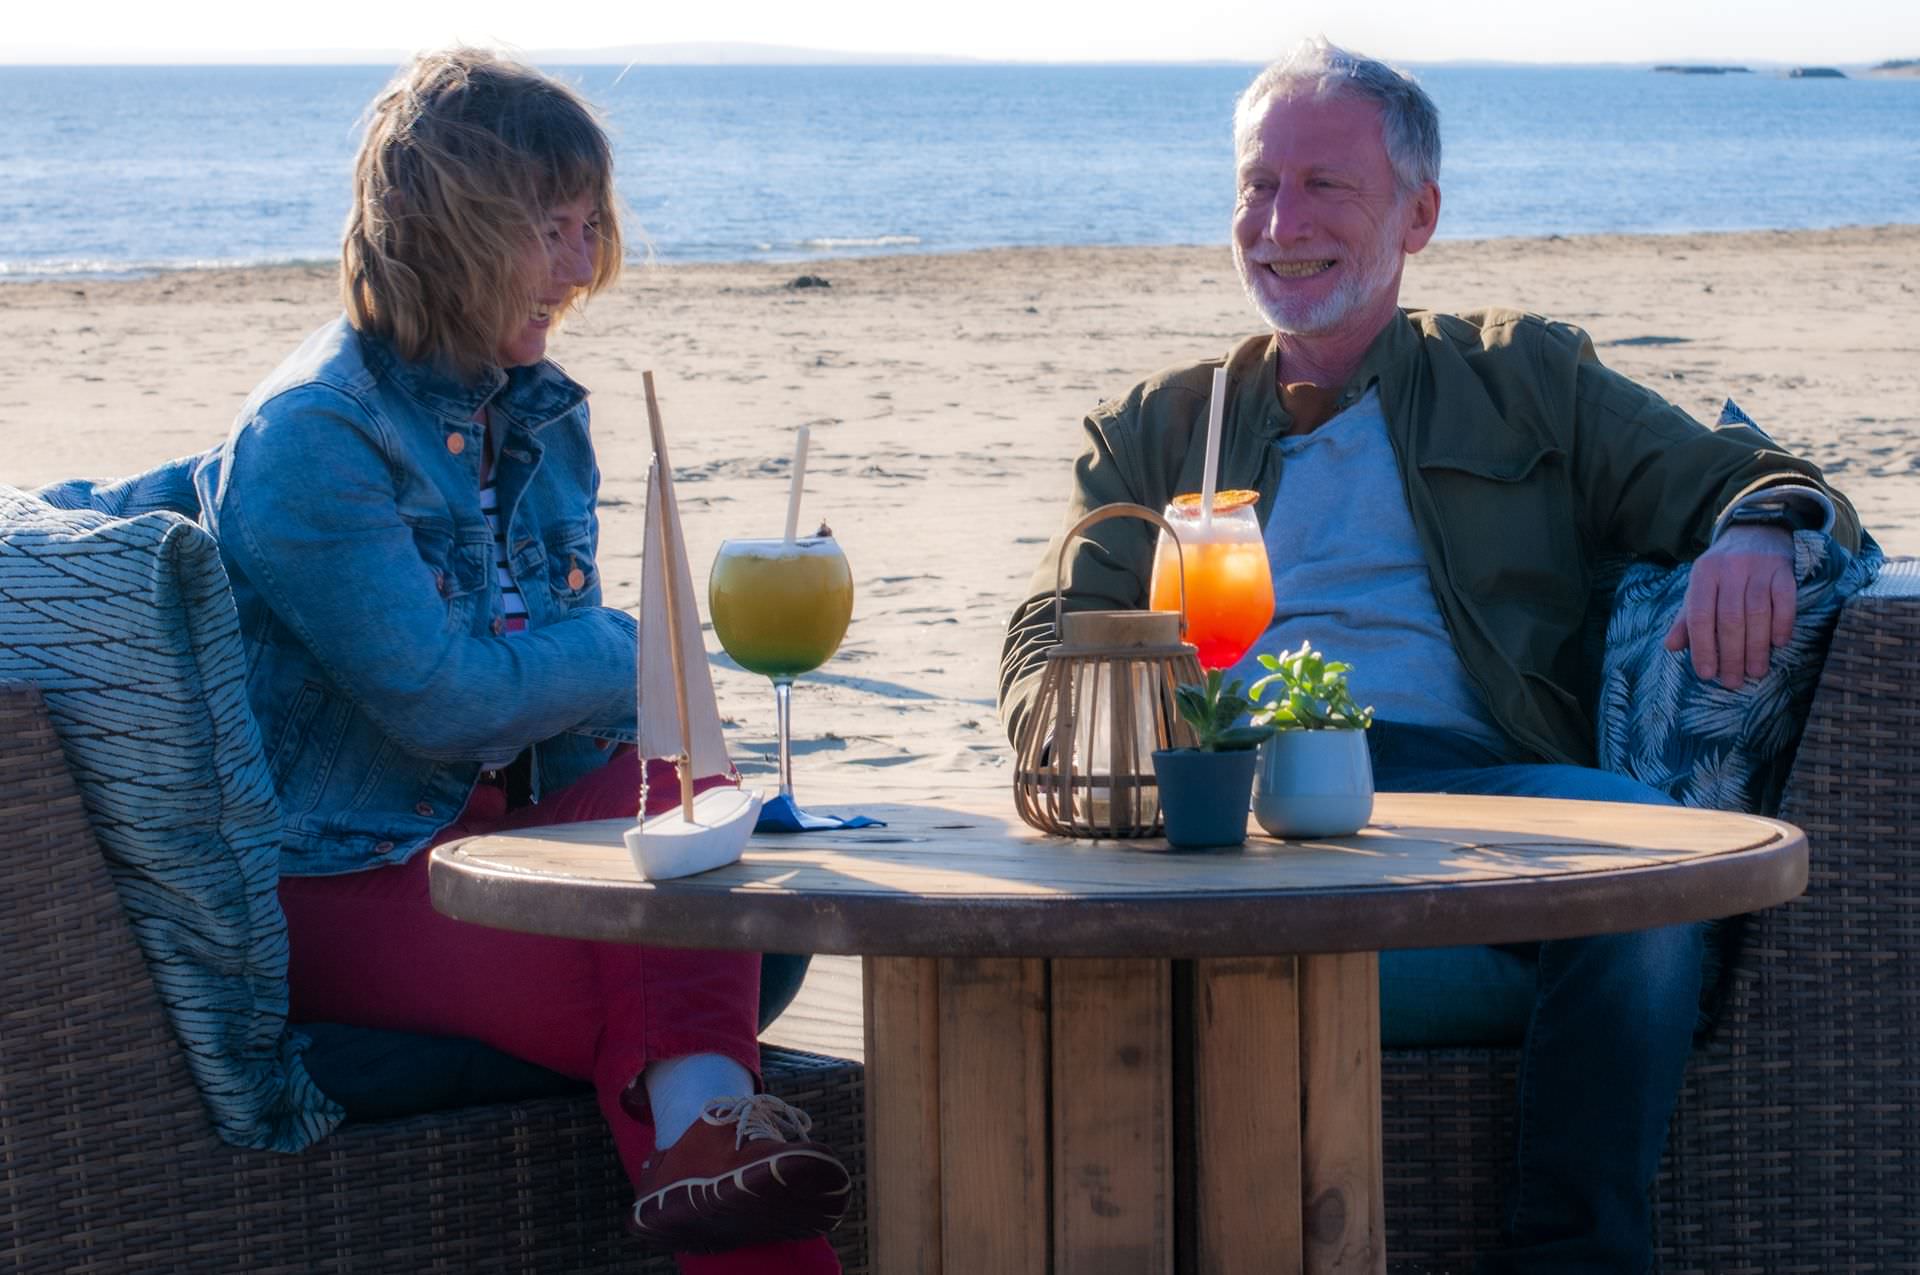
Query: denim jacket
pixel 346 502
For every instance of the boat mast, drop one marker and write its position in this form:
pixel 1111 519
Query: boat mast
pixel 669 515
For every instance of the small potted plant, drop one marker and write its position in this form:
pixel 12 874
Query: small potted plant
pixel 1315 778
pixel 1204 790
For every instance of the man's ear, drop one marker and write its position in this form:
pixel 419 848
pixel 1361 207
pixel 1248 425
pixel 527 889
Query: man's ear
pixel 1426 216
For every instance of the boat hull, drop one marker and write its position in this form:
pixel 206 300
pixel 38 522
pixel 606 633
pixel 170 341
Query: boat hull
pixel 667 845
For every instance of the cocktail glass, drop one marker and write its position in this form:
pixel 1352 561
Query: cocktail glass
pixel 780 609
pixel 1229 585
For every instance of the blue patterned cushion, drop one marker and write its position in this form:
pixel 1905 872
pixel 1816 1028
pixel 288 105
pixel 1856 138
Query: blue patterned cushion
pixel 127 627
pixel 1697 741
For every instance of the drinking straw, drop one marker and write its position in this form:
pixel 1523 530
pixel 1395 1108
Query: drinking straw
pixel 1210 477
pixel 799 480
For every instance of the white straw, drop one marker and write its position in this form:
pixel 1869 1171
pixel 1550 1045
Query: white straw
pixel 1210 477
pixel 799 481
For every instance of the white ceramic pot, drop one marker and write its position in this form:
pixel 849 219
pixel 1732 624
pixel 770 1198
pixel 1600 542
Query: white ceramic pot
pixel 1313 783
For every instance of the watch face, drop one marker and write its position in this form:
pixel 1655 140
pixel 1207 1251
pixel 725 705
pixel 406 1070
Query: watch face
pixel 1770 515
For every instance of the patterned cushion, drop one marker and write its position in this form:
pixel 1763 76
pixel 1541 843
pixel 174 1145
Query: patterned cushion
pixel 1697 741
pixel 127 627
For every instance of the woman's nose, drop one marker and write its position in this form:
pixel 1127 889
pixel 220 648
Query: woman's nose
pixel 573 264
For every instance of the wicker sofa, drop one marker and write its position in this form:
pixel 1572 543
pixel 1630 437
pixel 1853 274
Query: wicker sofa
pixel 1797 1143
pixel 109 1163
pixel 1795 1148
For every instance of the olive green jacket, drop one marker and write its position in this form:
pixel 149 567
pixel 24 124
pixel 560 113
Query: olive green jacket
pixel 1525 462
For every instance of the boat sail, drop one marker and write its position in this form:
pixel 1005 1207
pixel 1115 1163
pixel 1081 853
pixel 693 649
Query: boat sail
pixel 678 716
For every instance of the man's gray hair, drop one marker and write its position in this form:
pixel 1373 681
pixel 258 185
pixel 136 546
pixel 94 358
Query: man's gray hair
pixel 1409 121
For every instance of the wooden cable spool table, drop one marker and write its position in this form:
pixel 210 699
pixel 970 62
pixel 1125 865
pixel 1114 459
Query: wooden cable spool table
pixel 1109 1057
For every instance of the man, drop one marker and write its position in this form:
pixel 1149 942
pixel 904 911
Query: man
pixel 1435 491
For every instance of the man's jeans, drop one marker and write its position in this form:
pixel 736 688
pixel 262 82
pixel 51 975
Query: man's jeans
pixel 1605 1025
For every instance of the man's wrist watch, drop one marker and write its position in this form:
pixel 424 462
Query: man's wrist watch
pixel 1762 513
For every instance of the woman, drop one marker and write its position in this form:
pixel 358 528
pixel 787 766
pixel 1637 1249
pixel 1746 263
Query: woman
pixel 406 508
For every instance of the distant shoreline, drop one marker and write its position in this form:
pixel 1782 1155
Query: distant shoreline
pixel 141 273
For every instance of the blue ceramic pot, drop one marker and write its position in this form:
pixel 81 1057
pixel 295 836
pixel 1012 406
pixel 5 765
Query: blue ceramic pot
pixel 1204 796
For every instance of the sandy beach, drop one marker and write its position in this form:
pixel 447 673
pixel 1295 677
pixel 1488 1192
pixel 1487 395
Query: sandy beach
pixel 945 395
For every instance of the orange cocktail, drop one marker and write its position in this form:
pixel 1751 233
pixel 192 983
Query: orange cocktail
pixel 1229 585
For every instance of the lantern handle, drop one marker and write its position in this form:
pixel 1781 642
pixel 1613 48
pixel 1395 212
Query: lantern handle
pixel 1119 509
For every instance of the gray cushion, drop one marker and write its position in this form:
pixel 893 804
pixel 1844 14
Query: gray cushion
pixel 127 626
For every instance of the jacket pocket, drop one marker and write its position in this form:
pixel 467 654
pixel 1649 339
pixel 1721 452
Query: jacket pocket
pixel 572 575
pixel 458 559
pixel 293 731
pixel 305 749
pixel 1508 527
pixel 376 772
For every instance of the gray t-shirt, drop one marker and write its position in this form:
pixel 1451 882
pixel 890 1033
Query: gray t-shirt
pixel 1349 577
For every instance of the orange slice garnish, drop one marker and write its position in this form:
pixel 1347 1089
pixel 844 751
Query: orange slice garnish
pixel 1223 501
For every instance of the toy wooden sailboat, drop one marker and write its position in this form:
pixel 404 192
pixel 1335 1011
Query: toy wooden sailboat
pixel 708 830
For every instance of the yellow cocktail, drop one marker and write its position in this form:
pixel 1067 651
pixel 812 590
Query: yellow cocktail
pixel 780 608
pixel 1229 583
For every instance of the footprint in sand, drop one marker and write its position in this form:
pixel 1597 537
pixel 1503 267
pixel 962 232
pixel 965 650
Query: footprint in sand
pixel 732 467
pixel 1651 340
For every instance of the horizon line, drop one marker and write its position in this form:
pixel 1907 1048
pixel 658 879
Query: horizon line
pixel 740 53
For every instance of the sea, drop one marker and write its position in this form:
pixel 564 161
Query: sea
pixel 118 171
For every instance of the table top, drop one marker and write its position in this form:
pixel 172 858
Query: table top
pixel 967 878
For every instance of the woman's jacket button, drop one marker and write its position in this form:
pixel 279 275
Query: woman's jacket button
pixel 456 443
pixel 384 847
pixel 424 809
pixel 499 626
pixel 440 583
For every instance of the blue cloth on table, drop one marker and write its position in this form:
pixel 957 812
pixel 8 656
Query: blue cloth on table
pixel 780 814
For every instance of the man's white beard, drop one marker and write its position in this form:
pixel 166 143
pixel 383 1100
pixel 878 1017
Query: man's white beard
pixel 1314 318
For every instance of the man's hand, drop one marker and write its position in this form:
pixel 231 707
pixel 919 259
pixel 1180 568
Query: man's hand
pixel 1739 605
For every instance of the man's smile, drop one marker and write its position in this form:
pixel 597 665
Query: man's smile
pixel 1300 269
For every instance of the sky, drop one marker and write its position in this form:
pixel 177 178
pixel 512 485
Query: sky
pixel 1791 31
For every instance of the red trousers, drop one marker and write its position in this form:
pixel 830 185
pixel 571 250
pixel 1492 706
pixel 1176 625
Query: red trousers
pixel 368 948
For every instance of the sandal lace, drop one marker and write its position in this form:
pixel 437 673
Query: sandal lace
pixel 760 1116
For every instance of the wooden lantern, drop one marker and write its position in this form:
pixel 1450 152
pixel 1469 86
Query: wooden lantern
pixel 1084 759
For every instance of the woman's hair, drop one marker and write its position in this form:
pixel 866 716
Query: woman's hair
pixel 464 153
pixel 1409 121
